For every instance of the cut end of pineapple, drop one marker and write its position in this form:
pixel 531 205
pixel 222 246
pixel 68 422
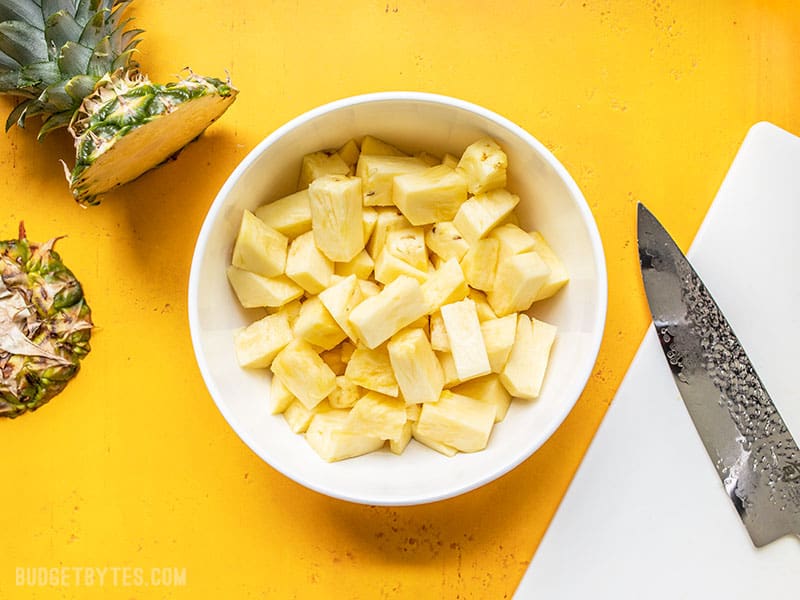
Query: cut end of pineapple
pixel 104 163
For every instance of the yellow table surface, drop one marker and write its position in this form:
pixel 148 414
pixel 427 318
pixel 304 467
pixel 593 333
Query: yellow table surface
pixel 133 470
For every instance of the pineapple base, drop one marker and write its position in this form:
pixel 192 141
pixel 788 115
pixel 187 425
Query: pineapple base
pixel 45 325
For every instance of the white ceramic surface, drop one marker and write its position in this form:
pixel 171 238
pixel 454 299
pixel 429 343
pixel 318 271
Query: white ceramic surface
pixel 646 515
pixel 551 202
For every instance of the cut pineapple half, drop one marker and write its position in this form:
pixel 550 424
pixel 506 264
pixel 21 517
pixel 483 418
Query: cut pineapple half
pixel 119 135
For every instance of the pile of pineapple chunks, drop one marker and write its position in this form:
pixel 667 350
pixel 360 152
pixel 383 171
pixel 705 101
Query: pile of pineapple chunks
pixel 395 287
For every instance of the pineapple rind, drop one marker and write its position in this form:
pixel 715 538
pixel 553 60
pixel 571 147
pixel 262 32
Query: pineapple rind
pixel 47 325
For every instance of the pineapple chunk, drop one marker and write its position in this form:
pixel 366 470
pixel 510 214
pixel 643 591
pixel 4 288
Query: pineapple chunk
pixel 458 421
pixel 466 342
pixel 432 443
pixel 415 366
pixel 377 175
pixel 320 164
pixel 485 165
pixel 315 325
pixel 369 216
pixel 372 369
pixel 399 444
pixel 518 280
pixel 349 154
pixel 336 216
pixel 347 349
pixel 389 267
pixel 498 336
pixel 439 340
pixel 361 266
pixel 329 436
pixel 279 397
pixel 290 215
pixel 445 241
pixel 259 248
pixel 260 342
pixel 378 415
pixel 412 411
pixel 254 291
pixel 345 394
pixel 485 311
pixel 487 389
pixel 513 240
pixel 430 196
pixel 340 299
pixel 450 160
pixel 369 288
pixel 297 416
pixel 429 159
pixel 480 263
pixel 376 147
pixel 481 213
pixel 307 266
pixel 333 358
pixel 524 371
pixel 448 369
pixel 408 244
pixel 387 220
pixel 511 219
pixel 291 309
pixel 445 285
pixel 397 305
pixel 558 272
pixel 304 373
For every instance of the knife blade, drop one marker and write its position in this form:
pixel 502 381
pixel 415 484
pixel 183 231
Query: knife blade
pixel 753 451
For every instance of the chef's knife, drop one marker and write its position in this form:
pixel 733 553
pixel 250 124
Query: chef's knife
pixel 753 451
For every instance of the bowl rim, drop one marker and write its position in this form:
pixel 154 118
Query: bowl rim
pixel 599 264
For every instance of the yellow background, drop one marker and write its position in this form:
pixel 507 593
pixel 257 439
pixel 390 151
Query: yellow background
pixel 133 465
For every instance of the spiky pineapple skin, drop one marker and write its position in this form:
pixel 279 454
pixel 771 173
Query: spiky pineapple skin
pixel 44 301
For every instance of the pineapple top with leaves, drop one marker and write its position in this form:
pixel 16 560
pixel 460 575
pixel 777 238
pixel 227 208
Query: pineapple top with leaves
pixel 71 63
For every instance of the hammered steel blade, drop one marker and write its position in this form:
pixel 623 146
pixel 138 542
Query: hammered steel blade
pixel 745 437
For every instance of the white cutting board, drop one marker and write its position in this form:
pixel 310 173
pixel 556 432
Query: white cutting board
pixel 646 515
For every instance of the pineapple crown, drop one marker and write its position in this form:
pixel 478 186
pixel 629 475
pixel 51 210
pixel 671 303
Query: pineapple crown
pixel 53 53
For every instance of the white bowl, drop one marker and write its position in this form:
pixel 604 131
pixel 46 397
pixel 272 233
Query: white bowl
pixel 551 202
